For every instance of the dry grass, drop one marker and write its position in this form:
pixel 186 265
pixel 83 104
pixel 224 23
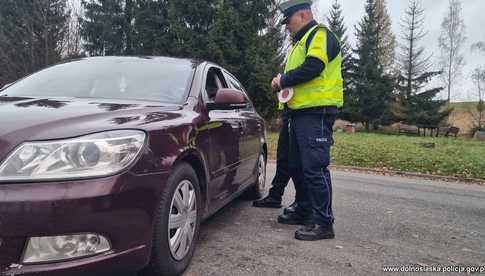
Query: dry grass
pixel 462 117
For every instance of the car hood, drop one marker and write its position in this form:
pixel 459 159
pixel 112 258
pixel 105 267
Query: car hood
pixel 38 119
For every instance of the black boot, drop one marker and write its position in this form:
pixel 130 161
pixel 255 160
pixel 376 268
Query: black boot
pixel 291 208
pixel 267 202
pixel 318 232
pixel 292 219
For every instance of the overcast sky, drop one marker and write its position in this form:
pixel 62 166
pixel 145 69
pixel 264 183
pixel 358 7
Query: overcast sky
pixel 435 10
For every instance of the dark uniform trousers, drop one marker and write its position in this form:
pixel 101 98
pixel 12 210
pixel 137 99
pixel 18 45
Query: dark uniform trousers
pixel 282 177
pixel 311 138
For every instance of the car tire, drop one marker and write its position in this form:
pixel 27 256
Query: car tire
pixel 166 260
pixel 256 190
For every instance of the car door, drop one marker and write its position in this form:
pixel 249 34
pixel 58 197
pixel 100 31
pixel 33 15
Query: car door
pixel 224 132
pixel 250 135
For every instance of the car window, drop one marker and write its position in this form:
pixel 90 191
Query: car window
pixel 234 83
pixel 134 79
pixel 214 82
pixel 238 86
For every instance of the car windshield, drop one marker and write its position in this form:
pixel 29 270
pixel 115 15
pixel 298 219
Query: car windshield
pixel 163 80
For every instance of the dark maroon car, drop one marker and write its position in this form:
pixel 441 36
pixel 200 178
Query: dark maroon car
pixel 110 164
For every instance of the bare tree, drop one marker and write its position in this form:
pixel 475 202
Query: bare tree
pixel 72 42
pixel 451 42
pixel 478 76
pixel 480 46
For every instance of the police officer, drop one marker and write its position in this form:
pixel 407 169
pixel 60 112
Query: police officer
pixel 313 70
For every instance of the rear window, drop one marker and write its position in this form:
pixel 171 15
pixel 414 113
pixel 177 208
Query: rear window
pixel 137 79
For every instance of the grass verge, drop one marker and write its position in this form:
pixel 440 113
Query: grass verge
pixel 451 157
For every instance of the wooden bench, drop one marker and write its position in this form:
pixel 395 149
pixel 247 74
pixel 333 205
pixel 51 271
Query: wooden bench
pixel 408 129
pixel 449 131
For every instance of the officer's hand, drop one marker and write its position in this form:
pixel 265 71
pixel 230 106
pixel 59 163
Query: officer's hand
pixel 276 83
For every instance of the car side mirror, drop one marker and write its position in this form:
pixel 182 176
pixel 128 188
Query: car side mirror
pixel 228 99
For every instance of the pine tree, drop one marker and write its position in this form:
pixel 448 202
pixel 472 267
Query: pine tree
pixel 104 28
pixel 386 40
pixel 152 28
pixel 246 41
pixel 13 43
pixel 31 36
pixel 373 87
pixel 190 22
pixel 418 106
pixel 241 36
pixel 336 24
pixel 128 26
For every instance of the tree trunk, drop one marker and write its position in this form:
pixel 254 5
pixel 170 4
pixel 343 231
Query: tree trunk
pixel 46 34
pixel 411 52
pixel 480 121
pixel 449 79
pixel 128 27
pixel 31 46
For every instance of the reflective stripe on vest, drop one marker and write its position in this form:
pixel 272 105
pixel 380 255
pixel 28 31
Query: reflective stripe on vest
pixel 327 88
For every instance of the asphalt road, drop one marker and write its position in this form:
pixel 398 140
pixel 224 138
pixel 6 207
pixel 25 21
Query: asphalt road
pixel 379 221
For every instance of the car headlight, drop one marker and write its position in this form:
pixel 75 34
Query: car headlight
pixel 96 155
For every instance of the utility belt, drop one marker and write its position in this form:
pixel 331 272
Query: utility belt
pixel 319 110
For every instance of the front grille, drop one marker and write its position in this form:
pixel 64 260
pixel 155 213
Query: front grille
pixel 10 250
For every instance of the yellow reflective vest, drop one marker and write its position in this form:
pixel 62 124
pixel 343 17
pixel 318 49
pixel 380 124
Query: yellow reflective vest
pixel 324 90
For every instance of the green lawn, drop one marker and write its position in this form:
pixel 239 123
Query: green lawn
pixel 451 157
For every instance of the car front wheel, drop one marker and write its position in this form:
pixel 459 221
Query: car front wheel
pixel 177 223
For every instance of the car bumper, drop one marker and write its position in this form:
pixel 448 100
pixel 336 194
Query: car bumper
pixel 120 208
